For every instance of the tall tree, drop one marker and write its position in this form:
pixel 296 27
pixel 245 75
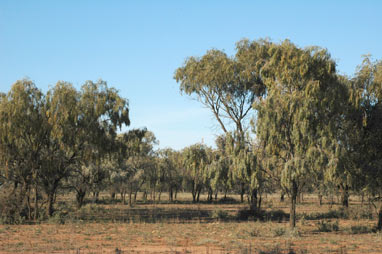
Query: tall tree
pixel 22 138
pixel 84 130
pixel 367 146
pixel 226 85
pixel 295 120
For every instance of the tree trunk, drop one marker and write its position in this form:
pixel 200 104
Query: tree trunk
pixel 379 225
pixel 331 200
pixel 209 196
pixel 193 197
pixel 294 193
pixel 259 203
pixel 282 197
pixel 50 204
pixel 80 197
pixel 242 192
pixel 320 199
pixel 29 204
pixel 95 197
pixel 130 196
pixel 345 196
pixel 253 205
pixel 176 192
pixel 160 193
pixel 193 191
pixel 197 198
pixel 123 197
pixel 170 194
pixel 35 202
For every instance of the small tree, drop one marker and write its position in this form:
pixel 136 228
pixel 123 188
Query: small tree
pixel 195 162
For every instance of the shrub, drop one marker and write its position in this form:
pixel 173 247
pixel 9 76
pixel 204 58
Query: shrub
pixel 275 250
pixel 357 213
pixel 331 214
pixel 219 214
pixel 245 214
pixel 13 208
pixel 276 215
pixel 360 229
pixel 294 233
pixel 327 226
pixel 279 231
pixel 227 200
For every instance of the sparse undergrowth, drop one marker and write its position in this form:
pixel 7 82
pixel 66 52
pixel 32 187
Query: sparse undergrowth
pixel 184 227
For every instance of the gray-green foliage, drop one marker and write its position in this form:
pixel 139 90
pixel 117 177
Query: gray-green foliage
pixel 296 120
pixel 196 163
pixel 136 164
pixel 47 138
pixel 170 174
pixel 366 98
pixel 226 85
pixel 218 173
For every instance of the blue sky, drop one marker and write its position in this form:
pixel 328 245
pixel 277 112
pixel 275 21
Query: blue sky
pixel 137 45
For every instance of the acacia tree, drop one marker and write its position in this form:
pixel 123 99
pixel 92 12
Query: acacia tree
pixel 220 167
pixel 171 178
pixel 195 162
pixel 246 171
pixel 87 133
pixel 367 146
pixel 61 111
pixel 22 138
pixel 218 174
pixel 45 138
pixel 135 163
pixel 295 120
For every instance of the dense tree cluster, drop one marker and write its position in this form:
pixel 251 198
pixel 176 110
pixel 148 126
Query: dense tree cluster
pixel 311 127
pixel 291 123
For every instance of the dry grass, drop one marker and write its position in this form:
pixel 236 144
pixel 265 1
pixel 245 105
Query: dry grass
pixel 171 235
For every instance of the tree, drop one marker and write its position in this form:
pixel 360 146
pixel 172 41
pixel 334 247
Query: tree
pixel 59 152
pixel 136 164
pixel 22 138
pixel 170 172
pixel 246 171
pixel 84 129
pixel 226 85
pixel 45 138
pixel 366 97
pixel 195 162
pixel 295 120
pixel 221 175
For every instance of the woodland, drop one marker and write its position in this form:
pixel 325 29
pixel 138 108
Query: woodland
pixel 291 125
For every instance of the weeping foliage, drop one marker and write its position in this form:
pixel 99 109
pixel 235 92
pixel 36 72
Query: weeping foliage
pixel 45 139
pixel 297 120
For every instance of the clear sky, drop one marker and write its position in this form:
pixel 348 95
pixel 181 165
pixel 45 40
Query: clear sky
pixel 137 45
